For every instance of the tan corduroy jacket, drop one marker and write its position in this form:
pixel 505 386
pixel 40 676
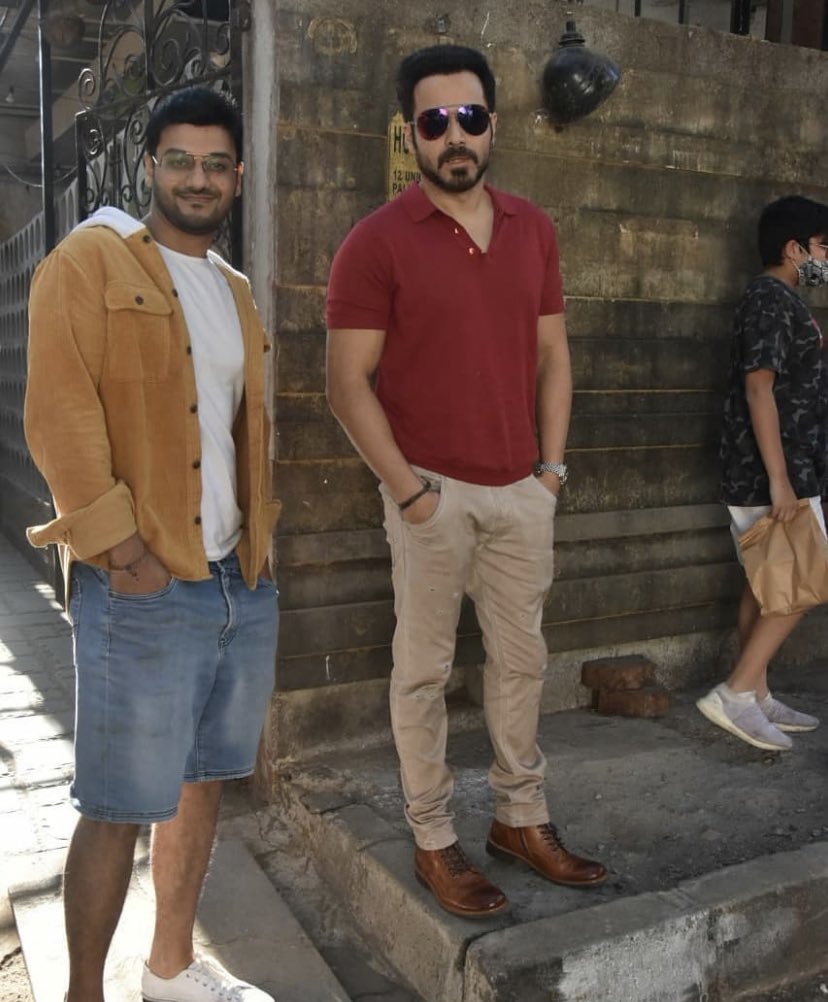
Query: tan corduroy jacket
pixel 111 413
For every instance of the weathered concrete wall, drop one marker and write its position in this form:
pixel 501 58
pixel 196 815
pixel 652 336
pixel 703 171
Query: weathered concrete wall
pixel 655 198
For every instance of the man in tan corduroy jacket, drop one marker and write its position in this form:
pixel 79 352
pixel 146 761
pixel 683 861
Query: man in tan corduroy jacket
pixel 145 412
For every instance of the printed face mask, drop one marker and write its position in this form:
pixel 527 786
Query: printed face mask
pixel 813 272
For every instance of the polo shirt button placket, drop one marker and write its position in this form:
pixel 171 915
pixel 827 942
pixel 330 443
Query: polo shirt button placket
pixel 457 233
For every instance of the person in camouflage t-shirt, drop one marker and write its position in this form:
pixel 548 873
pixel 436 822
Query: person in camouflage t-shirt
pixel 773 446
pixel 775 333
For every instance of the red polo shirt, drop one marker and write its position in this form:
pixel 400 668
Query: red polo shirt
pixel 458 369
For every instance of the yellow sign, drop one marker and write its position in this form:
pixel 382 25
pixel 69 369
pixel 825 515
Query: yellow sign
pixel 402 167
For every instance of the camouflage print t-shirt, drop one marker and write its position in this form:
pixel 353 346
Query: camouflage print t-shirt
pixel 774 330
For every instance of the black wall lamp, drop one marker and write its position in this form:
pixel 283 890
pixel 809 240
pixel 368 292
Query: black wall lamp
pixel 576 79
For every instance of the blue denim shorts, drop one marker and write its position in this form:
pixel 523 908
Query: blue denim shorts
pixel 172 687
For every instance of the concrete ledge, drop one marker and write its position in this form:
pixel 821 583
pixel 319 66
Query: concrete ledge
pixel 731 931
pixel 725 933
pixel 681 660
pixel 305 723
pixel 368 863
pixel 701 903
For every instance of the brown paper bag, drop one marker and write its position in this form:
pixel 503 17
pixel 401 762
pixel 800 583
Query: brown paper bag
pixel 786 562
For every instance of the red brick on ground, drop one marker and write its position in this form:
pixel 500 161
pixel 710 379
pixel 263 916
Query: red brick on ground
pixel 630 671
pixel 650 701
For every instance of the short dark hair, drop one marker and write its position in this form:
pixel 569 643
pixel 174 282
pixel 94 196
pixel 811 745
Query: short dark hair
pixel 441 60
pixel 195 106
pixel 791 218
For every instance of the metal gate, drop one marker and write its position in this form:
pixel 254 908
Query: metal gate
pixel 24 497
pixel 146 51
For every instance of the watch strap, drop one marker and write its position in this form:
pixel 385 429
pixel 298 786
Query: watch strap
pixel 560 470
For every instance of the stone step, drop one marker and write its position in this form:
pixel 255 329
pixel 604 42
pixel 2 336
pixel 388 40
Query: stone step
pixel 700 902
pixel 707 938
pixel 242 922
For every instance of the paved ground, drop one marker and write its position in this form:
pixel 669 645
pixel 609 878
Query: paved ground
pixel 697 828
pixel 36 821
pixel 660 802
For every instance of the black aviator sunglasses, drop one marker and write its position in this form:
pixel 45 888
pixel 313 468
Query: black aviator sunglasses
pixel 434 122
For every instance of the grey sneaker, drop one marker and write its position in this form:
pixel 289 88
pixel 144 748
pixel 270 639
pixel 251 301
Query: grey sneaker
pixel 203 981
pixel 740 714
pixel 786 719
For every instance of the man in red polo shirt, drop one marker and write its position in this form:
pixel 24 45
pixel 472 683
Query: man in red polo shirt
pixel 451 295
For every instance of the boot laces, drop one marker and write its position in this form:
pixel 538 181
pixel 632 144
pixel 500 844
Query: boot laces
pixel 455 859
pixel 550 835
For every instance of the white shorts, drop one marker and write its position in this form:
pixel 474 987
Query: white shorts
pixel 743 517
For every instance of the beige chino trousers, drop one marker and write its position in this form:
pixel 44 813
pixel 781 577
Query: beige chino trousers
pixel 494 544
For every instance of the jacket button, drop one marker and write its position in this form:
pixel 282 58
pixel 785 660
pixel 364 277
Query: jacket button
pixel 175 293
pixel 139 300
pixel 147 238
pixel 197 520
pixel 196 464
pixel 193 408
pixel 189 349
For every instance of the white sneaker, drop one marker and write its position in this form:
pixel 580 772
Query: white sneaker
pixel 786 719
pixel 739 713
pixel 203 981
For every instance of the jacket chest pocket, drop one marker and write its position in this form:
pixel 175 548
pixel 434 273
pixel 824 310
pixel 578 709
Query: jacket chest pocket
pixel 138 333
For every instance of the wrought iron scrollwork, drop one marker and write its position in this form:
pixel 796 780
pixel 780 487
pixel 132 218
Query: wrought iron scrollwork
pixel 145 51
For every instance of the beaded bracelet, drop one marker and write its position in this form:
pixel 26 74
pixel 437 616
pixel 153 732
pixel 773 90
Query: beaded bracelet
pixel 130 568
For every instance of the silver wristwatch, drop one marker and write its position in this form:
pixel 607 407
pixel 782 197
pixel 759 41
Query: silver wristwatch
pixel 559 469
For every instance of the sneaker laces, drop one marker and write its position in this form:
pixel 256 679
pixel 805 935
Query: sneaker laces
pixel 455 859
pixel 220 983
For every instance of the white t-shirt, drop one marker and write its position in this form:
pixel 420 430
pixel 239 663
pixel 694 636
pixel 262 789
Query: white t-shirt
pixel 218 359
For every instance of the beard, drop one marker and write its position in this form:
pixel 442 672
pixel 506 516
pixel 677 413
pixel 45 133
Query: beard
pixel 194 224
pixel 462 177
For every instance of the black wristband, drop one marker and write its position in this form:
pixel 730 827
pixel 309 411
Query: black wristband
pixel 415 497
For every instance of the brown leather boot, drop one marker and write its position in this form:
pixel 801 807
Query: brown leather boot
pixel 542 849
pixel 459 887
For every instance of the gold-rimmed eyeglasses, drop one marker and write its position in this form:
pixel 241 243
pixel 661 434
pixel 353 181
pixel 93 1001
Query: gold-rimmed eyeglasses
pixel 182 162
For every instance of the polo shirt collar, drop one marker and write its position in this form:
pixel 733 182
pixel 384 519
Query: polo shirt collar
pixel 419 206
